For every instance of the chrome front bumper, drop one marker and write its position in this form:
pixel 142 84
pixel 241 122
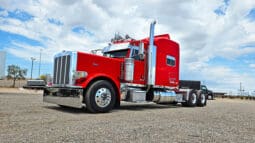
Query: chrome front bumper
pixel 66 96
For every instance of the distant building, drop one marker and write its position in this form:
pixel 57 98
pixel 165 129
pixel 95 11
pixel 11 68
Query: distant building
pixel 2 64
pixel 219 94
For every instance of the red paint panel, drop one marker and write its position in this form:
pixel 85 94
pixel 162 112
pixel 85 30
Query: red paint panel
pixel 139 74
pixel 167 75
pixel 97 66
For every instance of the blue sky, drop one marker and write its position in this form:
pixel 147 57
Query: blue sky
pixel 217 37
pixel 7 38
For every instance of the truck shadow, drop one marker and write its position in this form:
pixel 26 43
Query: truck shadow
pixel 135 107
pixel 68 109
pixel 131 107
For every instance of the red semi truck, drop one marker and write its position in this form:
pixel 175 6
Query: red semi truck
pixel 129 70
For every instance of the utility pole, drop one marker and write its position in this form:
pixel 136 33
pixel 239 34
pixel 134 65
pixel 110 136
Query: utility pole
pixel 33 59
pixel 40 62
pixel 240 90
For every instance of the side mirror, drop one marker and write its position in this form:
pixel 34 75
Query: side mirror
pixel 141 50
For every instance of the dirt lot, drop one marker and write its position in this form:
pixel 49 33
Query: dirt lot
pixel 25 118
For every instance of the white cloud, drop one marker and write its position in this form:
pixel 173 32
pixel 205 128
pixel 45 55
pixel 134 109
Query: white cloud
pixel 202 34
pixel 252 66
pixel 227 79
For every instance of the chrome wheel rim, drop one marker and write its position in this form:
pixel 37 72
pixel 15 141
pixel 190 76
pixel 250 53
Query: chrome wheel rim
pixel 103 97
pixel 194 98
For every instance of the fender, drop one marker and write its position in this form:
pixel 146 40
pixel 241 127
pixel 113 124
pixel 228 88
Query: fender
pixel 91 78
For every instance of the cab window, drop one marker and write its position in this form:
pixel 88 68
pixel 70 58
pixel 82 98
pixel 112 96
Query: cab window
pixel 203 87
pixel 135 54
pixel 170 60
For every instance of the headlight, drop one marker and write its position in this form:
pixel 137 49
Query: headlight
pixel 80 74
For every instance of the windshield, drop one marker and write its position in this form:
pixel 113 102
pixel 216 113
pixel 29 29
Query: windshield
pixel 204 87
pixel 117 54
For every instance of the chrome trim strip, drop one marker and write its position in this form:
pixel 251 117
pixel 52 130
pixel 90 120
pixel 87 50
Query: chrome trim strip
pixel 64 86
pixel 166 87
pixel 133 84
pixel 73 67
pixel 142 85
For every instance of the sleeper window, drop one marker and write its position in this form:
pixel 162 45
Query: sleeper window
pixel 170 60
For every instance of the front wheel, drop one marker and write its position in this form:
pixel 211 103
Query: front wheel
pixel 100 97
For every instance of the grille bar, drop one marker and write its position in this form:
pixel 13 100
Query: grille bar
pixel 55 70
pixel 68 66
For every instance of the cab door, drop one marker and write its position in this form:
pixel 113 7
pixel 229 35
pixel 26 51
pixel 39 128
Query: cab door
pixel 139 67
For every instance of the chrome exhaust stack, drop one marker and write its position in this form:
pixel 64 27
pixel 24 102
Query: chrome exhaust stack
pixel 151 56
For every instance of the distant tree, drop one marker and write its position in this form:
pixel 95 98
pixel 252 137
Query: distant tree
pixel 16 73
pixel 43 77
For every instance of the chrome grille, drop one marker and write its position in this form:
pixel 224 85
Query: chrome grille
pixel 62 68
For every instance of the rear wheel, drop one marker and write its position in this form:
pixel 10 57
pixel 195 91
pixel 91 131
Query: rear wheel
pixel 100 97
pixel 202 100
pixel 192 101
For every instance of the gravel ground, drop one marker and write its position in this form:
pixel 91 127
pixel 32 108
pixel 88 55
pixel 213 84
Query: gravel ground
pixel 25 118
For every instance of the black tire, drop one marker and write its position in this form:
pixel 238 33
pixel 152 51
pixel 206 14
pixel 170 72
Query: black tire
pixel 174 103
pixel 192 101
pixel 117 104
pixel 202 99
pixel 212 97
pixel 184 104
pixel 100 97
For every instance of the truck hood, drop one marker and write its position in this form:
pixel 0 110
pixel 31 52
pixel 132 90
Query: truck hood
pixel 99 66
